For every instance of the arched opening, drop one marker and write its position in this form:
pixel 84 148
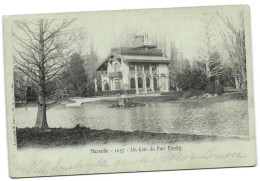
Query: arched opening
pixel 155 83
pixel 132 83
pixel 106 86
pixel 116 67
pixel 147 82
pixel 140 82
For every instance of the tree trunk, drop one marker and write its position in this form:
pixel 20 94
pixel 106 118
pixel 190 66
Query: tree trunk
pixel 41 121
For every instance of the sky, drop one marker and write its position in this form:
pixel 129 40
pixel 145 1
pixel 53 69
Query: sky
pixel 183 26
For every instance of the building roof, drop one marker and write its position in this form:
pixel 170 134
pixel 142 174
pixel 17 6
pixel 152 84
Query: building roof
pixel 134 58
pixel 142 58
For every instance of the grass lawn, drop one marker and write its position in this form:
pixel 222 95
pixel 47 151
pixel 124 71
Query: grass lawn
pixel 60 137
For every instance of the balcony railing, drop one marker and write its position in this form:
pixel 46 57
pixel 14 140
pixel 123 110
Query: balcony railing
pixel 104 75
pixel 115 74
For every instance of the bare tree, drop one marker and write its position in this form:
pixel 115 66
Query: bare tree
pixel 41 52
pixel 208 62
pixel 233 37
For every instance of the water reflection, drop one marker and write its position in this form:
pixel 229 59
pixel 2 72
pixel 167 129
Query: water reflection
pixel 229 118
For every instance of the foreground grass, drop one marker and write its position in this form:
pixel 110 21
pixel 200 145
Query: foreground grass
pixel 62 137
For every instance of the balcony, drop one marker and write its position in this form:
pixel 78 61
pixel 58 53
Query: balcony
pixel 104 75
pixel 115 74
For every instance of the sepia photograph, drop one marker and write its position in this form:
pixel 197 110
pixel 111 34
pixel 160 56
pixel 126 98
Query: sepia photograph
pixel 129 90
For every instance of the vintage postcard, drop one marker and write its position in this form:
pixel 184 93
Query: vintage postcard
pixel 129 91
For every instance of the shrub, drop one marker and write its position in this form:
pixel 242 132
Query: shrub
pixel 236 95
pixel 176 95
pixel 199 79
pixel 219 89
pixel 198 93
pixel 184 79
pixel 210 88
pixel 226 78
pixel 188 94
pixel 191 79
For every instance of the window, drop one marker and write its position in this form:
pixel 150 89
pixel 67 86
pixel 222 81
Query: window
pixel 131 67
pixel 116 67
pixel 132 83
pixel 154 68
pixel 146 67
pixel 147 82
pixel 140 82
pixel 139 68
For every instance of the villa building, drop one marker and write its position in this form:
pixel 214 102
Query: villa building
pixel 142 68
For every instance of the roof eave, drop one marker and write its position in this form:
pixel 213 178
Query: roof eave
pixel 106 59
pixel 152 61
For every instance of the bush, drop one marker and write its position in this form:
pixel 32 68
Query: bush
pixel 236 95
pixel 184 79
pixel 210 88
pixel 176 95
pixel 198 93
pixel 188 94
pixel 191 79
pixel 219 89
pixel 199 79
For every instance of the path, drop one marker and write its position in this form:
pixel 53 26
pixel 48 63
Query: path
pixel 78 101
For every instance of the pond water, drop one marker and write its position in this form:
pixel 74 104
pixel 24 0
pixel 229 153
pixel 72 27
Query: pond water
pixel 202 117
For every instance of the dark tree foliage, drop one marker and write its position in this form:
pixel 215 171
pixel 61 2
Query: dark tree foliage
pixel 90 64
pixel 227 78
pixel 210 88
pixel 184 79
pixel 192 79
pixel 31 95
pixel 76 77
pixel 219 89
pixel 199 79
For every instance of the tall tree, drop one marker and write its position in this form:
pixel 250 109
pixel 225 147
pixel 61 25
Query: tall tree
pixel 209 59
pixel 177 65
pixel 174 66
pixel 91 63
pixel 76 80
pixel 41 52
pixel 233 36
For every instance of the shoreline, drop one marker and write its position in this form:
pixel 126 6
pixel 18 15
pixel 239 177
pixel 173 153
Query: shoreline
pixel 141 98
pixel 80 136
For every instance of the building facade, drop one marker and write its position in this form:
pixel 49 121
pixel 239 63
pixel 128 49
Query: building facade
pixel 142 68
